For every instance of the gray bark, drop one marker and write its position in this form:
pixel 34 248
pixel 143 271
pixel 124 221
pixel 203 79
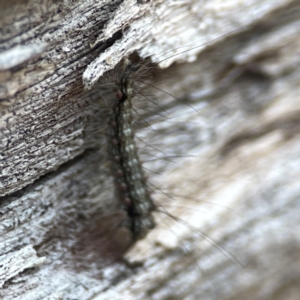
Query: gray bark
pixel 220 147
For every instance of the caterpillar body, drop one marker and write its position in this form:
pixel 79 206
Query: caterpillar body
pixel 130 181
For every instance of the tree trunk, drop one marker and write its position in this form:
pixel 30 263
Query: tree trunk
pixel 219 142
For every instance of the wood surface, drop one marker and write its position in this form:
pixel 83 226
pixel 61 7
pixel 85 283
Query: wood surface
pixel 217 127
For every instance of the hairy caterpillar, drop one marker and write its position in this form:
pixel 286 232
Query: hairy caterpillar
pixel 127 171
pixel 130 182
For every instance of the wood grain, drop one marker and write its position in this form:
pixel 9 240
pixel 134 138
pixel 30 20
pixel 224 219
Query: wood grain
pixel 229 141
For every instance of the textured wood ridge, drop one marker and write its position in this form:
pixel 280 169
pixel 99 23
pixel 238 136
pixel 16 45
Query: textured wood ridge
pixel 221 154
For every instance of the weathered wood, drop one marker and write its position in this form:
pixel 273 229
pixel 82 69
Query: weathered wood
pixel 225 150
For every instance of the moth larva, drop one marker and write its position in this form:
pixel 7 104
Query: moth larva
pixel 130 182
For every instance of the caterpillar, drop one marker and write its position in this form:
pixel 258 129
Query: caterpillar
pixel 130 182
pixel 132 189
